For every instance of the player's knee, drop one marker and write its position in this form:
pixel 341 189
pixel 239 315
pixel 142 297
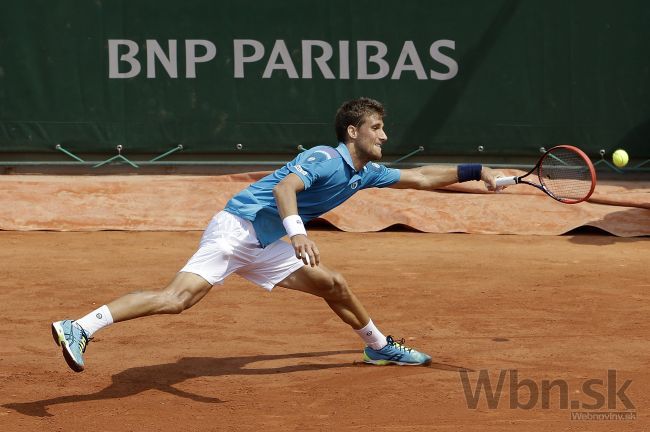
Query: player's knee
pixel 173 303
pixel 338 289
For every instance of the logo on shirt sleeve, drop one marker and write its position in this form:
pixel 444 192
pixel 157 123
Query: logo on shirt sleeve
pixel 300 170
pixel 319 156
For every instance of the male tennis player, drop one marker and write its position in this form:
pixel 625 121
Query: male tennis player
pixel 245 238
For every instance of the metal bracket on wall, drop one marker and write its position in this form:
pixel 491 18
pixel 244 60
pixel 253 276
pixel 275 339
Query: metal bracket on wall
pixel 72 155
pixel 416 151
pixel 118 156
pixel 602 160
pixel 175 149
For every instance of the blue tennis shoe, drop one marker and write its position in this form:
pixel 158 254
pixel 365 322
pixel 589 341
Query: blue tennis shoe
pixel 395 352
pixel 73 341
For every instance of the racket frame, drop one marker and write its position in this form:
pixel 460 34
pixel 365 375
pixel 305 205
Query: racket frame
pixel 503 181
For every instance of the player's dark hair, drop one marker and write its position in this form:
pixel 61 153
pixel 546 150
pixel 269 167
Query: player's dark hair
pixel 354 112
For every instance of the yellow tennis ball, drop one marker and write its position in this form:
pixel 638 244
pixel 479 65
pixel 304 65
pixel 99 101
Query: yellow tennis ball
pixel 620 158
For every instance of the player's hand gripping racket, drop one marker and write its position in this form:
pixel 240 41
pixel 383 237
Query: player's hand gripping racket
pixel 564 173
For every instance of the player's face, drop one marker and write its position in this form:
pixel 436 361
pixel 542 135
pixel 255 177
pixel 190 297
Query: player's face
pixel 370 136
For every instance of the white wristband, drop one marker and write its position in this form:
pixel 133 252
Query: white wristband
pixel 293 225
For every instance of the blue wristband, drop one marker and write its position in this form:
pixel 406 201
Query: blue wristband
pixel 467 172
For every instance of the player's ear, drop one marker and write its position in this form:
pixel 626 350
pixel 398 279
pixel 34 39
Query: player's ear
pixel 352 132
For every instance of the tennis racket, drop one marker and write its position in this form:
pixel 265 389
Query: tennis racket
pixel 564 173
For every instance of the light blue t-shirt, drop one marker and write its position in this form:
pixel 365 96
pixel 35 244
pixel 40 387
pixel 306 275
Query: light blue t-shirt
pixel 329 177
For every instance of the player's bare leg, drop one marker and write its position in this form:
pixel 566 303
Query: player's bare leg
pixel 184 291
pixel 332 287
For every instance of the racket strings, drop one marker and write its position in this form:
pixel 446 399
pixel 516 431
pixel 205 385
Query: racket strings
pixel 566 175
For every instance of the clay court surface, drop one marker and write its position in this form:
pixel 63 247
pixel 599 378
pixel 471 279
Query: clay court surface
pixel 552 307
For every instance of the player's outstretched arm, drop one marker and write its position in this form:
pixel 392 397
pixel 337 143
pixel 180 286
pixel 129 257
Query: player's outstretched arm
pixel 285 198
pixel 432 177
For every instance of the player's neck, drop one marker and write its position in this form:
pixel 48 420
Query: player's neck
pixel 359 160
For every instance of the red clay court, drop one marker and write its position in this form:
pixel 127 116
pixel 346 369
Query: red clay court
pixel 552 307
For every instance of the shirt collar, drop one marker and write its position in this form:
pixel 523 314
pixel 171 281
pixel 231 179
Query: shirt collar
pixel 345 154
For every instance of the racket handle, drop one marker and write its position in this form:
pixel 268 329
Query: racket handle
pixel 506 181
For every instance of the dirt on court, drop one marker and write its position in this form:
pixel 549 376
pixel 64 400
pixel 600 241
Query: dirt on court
pixel 526 309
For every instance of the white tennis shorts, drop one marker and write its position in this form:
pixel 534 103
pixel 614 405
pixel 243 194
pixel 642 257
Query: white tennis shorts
pixel 229 245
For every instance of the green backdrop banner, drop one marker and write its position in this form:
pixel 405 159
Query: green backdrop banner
pixel 511 76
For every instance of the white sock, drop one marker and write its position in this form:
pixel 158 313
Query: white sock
pixel 372 336
pixel 96 320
